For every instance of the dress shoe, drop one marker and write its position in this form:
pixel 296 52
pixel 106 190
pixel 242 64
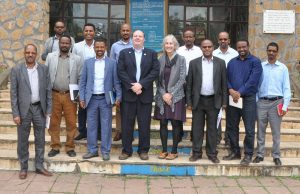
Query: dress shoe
pixel 214 159
pixel 124 156
pixel 71 153
pixel 23 174
pixel 80 137
pixel 105 157
pixel 118 136
pixel 277 161
pixel 232 156
pixel 43 171
pixel 144 156
pixel 246 160
pixel 195 157
pixel 90 155
pixel 53 153
pixel 258 159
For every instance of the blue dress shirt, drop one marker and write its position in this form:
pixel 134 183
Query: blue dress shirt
pixel 275 81
pixel 244 75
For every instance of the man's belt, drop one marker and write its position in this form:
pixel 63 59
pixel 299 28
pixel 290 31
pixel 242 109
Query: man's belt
pixel 98 94
pixel 207 96
pixel 36 103
pixel 61 92
pixel 272 98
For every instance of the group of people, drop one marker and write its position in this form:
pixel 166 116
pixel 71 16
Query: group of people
pixel 200 79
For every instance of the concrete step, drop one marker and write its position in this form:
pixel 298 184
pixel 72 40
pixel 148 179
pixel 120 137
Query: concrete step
pixel 287 134
pixel 289 121
pixel 288 149
pixel 134 166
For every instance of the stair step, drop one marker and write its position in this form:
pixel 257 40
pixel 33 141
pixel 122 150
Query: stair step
pixel 134 166
pixel 288 149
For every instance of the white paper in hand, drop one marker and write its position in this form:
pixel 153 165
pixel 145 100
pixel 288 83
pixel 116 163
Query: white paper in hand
pixel 219 117
pixel 239 104
pixel 47 122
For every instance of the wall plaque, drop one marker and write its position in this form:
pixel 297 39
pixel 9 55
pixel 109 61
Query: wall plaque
pixel 279 21
pixel 148 16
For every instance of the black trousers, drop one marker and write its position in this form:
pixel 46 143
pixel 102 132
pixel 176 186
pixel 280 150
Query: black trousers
pixel 176 125
pixel 129 112
pixel 205 112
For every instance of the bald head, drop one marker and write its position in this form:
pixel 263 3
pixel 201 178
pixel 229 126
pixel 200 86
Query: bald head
pixel 223 40
pixel 125 32
pixel 138 39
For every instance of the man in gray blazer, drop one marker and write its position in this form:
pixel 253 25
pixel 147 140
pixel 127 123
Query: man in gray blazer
pixel 206 94
pixel 31 102
pixel 64 69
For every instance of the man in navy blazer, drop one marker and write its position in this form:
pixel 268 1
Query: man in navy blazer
pixel 98 84
pixel 138 67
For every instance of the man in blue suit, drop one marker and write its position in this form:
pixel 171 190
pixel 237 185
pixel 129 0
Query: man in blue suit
pixel 98 83
pixel 138 67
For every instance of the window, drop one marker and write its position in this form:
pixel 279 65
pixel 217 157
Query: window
pixel 106 15
pixel 207 18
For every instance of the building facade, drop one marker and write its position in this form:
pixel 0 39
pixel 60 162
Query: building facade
pixel 30 21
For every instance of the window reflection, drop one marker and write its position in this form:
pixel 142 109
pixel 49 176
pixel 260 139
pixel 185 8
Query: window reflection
pixel 117 11
pixel 101 27
pixel 196 13
pixel 176 12
pixel 219 14
pixel 75 9
pixel 97 10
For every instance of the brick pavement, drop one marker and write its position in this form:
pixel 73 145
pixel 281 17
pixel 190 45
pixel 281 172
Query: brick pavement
pixel 69 183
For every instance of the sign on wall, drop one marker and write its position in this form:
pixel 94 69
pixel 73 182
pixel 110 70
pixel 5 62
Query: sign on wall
pixel 148 16
pixel 279 21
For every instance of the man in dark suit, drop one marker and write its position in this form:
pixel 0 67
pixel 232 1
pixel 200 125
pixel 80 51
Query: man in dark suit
pixel 138 67
pixel 206 94
pixel 30 93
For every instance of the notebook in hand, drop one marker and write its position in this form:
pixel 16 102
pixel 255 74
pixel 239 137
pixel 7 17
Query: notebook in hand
pixel 279 109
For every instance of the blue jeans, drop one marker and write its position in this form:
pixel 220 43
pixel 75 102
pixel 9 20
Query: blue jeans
pixel 82 122
pixel 248 114
pixel 98 109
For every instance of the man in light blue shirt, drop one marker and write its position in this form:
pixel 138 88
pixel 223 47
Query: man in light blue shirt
pixel 274 91
pixel 125 42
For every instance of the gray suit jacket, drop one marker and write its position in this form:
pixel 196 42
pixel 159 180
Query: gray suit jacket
pixel 176 82
pixel 75 67
pixel 20 91
pixel 194 82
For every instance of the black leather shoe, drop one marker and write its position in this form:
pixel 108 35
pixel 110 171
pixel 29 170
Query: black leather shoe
pixel 214 159
pixel 258 159
pixel 246 160
pixel 195 157
pixel 80 137
pixel 90 155
pixel 118 136
pixel 232 156
pixel 105 157
pixel 53 153
pixel 71 153
pixel 277 161
pixel 23 174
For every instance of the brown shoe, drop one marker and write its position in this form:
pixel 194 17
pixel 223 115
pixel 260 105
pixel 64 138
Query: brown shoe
pixel 23 174
pixel 118 136
pixel 124 156
pixel 43 171
pixel 144 156
pixel 162 155
pixel 171 156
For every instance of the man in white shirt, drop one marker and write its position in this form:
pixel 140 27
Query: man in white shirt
pixel 85 49
pixel 226 53
pixel 189 51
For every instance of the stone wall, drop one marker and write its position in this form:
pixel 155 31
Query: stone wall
pixel 22 22
pixel 289 44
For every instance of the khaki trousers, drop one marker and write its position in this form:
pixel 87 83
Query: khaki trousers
pixel 61 103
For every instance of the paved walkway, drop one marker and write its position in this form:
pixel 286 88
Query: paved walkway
pixel 68 183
